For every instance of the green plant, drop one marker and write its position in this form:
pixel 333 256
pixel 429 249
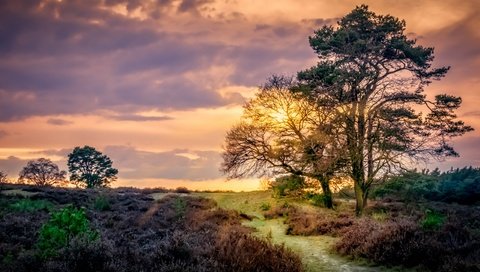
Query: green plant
pixel 29 205
pixel 287 185
pixel 101 203
pixel 62 227
pixel 265 206
pixel 433 220
pixel 380 216
pixel 180 207
pixel 317 199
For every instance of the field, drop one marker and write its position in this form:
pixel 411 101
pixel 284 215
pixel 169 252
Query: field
pixel 316 251
pixel 128 229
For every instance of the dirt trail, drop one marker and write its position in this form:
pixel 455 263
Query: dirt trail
pixel 314 250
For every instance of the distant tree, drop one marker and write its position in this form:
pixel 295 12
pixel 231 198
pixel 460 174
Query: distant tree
pixel 90 168
pixel 42 172
pixel 284 133
pixel 375 76
pixel 3 177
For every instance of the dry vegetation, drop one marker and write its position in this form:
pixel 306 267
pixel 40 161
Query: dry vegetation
pixel 430 236
pixel 135 233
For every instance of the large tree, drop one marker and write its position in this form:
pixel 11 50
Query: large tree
pixel 282 132
pixel 90 168
pixel 42 172
pixel 374 76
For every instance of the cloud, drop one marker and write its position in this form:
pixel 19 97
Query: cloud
pixel 59 122
pixel 139 118
pixel 173 164
pixel 12 166
pixel 472 113
pixel 74 57
pixel 192 5
pixel 3 133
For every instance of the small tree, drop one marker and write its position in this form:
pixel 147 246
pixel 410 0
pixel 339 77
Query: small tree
pixel 42 172
pixel 3 177
pixel 89 167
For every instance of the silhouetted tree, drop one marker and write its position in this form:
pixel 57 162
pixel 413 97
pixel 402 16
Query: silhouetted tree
pixel 89 167
pixel 374 76
pixel 282 132
pixel 3 177
pixel 42 172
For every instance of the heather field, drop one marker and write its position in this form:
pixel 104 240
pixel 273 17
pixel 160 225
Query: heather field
pixel 128 229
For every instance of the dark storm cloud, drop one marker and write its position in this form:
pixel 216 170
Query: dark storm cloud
pixel 136 164
pixel 58 122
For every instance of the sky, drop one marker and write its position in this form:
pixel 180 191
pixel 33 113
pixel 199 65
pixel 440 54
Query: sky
pixel 156 84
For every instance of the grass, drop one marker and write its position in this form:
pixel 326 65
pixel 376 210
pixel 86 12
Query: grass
pixel 177 233
pixel 29 205
pixel 315 251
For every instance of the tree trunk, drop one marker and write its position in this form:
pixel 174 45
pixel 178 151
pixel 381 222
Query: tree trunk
pixel 361 196
pixel 327 193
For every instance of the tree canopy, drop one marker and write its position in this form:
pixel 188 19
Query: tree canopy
pixel 3 177
pixel 362 109
pixel 42 172
pixel 375 77
pixel 90 168
pixel 282 132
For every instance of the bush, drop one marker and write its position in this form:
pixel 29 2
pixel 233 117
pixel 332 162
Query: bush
pixel 433 220
pixel 182 190
pixel 101 203
pixel 288 185
pixel 63 226
pixel 265 206
pixel 460 186
pixel 317 199
pixel 29 205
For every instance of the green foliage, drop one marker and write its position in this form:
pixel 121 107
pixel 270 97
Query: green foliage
pixel 317 199
pixel 433 220
pixel 90 168
pixel 101 203
pixel 29 205
pixel 265 206
pixel 380 216
pixel 180 207
pixel 63 226
pixel 288 185
pixel 460 185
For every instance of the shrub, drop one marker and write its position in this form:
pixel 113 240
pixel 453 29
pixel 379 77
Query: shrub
pixel 63 226
pixel 182 190
pixel 265 206
pixel 29 205
pixel 101 203
pixel 288 185
pixel 180 206
pixel 308 223
pixel 433 220
pixel 243 252
pixel 317 199
pixel 460 185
